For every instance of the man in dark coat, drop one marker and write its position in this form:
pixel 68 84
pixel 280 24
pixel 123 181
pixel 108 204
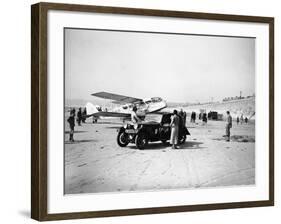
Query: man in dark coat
pixel 184 118
pixel 204 119
pixel 193 117
pixel 71 122
pixel 228 125
pixel 79 116
pixel 84 115
pixel 181 118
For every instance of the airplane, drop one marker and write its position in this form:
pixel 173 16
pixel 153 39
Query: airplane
pixel 144 106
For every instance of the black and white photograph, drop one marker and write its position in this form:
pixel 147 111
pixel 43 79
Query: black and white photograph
pixel 151 111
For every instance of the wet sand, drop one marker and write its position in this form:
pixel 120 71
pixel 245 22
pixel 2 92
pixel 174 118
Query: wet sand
pixel 95 163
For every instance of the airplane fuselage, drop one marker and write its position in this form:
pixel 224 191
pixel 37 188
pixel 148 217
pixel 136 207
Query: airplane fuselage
pixel 146 106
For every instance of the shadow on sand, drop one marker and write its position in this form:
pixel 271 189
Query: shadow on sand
pixel 238 138
pixel 192 145
pixel 80 141
pixel 67 132
pixel 160 145
pixel 113 127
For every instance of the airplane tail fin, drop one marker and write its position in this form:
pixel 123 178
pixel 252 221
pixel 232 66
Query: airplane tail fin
pixel 91 109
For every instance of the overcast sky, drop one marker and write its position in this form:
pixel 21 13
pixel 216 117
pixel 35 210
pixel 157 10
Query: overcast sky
pixel 178 68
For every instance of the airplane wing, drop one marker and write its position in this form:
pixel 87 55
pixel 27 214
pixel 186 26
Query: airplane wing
pixel 117 102
pixel 116 97
pixel 111 114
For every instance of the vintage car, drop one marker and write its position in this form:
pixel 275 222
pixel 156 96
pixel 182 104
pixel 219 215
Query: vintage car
pixel 150 131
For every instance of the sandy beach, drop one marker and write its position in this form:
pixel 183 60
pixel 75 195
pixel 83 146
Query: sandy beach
pixel 94 163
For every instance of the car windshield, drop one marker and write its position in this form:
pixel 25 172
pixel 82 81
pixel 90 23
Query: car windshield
pixel 166 119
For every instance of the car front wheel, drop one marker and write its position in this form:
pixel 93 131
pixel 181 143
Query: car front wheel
pixel 122 139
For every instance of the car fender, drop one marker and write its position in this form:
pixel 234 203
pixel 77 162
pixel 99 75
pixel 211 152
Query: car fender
pixel 120 129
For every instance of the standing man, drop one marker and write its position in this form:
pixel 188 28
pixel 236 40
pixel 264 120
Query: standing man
pixel 237 120
pixel 79 116
pixel 228 125
pixel 184 118
pixel 204 119
pixel 84 115
pixel 181 117
pixel 174 129
pixel 134 117
pixel 241 119
pixel 181 113
pixel 71 122
pixel 193 116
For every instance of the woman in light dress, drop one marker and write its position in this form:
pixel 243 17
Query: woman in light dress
pixel 174 129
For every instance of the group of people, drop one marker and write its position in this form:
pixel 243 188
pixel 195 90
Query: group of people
pixel 177 121
pixel 193 117
pixel 81 117
pixel 241 119
pixel 203 117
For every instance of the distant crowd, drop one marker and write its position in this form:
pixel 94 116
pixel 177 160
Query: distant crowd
pixel 241 120
pixel 178 120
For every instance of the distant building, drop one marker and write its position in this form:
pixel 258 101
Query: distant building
pixel 236 98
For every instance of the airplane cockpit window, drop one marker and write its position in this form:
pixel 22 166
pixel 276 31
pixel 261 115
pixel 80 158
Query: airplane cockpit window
pixel 148 101
pixel 156 99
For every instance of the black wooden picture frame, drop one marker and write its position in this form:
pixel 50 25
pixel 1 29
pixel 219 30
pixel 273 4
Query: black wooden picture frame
pixel 39 107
